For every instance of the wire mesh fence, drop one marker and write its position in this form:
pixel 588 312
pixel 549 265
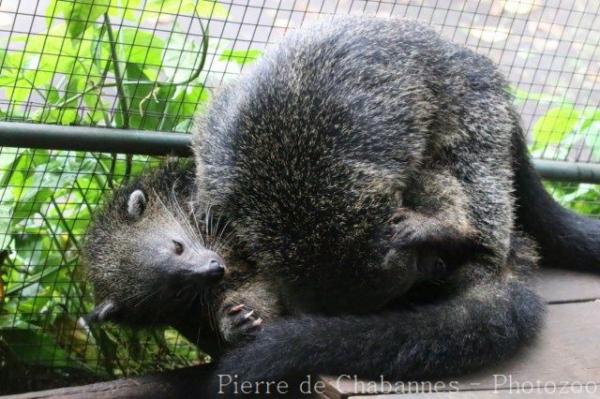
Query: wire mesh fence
pixel 151 65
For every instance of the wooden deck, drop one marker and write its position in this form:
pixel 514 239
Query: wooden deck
pixel 564 361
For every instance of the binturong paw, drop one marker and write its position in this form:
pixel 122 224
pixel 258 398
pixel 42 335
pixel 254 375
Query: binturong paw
pixel 239 323
pixel 409 228
pixel 103 312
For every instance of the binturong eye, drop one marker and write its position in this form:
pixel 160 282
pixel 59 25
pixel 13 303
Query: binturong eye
pixel 178 247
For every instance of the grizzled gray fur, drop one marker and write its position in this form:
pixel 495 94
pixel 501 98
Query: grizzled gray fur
pixel 145 253
pixel 156 259
pixel 311 155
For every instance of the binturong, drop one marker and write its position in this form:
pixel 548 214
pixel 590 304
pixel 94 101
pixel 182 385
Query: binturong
pixel 313 153
pixel 157 259
pixel 146 256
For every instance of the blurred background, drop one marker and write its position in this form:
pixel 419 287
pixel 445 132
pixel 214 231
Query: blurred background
pixel 151 65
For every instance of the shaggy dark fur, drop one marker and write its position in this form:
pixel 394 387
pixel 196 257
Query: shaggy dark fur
pixel 473 328
pixel 147 258
pixel 314 158
pixel 398 346
pixel 310 155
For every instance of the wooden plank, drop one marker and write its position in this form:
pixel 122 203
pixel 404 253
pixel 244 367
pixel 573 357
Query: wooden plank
pixel 567 352
pixel 557 286
pixel 171 384
pixel 568 391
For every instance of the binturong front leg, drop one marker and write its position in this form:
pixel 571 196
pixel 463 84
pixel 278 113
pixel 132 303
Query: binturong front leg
pixel 434 214
pixel 243 311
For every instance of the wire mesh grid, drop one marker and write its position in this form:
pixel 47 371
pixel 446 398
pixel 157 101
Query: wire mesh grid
pixel 46 202
pixel 151 65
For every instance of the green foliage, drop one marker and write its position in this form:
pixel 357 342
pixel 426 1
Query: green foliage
pixel 555 134
pixel 70 65
pixel 203 8
pixel 78 15
pixel 46 202
pixel 74 69
pixel 553 126
pixel 241 57
pixel 563 127
pixel 582 198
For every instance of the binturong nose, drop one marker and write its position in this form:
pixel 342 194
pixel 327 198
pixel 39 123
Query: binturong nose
pixel 215 269
pixel 204 271
pixel 209 269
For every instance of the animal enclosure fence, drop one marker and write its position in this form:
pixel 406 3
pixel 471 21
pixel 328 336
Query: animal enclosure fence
pixel 93 92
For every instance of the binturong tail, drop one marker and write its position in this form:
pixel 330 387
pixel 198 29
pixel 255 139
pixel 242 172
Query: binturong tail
pixel 565 239
pixel 481 326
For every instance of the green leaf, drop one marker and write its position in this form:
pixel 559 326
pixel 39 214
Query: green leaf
pixel 554 125
pixel 95 109
pixel 184 126
pixel 584 199
pixel 523 95
pixel 591 135
pixel 211 9
pixel 5 222
pixel 78 14
pixel 36 348
pixel 46 55
pixel 12 77
pixel 125 9
pixel 95 48
pixel 203 8
pixel 590 118
pixel 181 57
pixel 182 106
pixel 241 57
pixel 143 48
pixel 135 94
pixel 147 110
pixel 9 321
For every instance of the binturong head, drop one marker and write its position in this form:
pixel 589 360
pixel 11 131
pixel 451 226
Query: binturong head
pixel 145 253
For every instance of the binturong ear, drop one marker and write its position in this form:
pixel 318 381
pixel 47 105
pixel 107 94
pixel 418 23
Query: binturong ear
pixel 105 311
pixel 136 204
